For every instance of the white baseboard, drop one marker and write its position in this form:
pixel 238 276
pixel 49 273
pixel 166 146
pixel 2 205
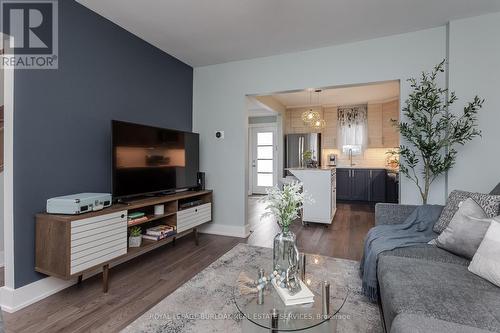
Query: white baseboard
pixel 12 300
pixel 2 258
pixel 225 230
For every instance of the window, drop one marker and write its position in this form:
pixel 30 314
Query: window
pixel 352 129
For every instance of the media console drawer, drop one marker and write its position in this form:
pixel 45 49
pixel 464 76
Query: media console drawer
pixel 97 239
pixel 192 217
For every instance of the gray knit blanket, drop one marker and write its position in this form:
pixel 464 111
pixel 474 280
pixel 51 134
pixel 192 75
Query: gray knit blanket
pixel 417 229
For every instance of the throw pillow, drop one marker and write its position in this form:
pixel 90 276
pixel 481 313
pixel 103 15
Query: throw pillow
pixel 466 230
pixel 485 262
pixel 496 190
pixel 490 204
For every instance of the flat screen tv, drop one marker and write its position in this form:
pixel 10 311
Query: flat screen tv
pixel 150 160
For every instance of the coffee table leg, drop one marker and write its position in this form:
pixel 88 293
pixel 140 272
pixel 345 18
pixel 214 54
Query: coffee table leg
pixel 274 321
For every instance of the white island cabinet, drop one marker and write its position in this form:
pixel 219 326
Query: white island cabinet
pixel 320 184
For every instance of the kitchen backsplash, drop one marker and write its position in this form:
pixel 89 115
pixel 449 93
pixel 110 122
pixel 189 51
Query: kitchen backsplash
pixel 371 157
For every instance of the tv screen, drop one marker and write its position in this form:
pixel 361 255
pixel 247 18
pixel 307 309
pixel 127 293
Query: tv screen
pixel 149 159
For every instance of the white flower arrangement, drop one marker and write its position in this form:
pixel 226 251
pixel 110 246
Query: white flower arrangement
pixel 285 205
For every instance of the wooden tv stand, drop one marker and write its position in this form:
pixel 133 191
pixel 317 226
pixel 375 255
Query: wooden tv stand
pixel 68 246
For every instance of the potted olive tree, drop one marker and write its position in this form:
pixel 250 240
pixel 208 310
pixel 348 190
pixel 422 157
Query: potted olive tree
pixel 430 132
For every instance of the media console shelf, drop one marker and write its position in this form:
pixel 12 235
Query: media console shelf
pixel 67 246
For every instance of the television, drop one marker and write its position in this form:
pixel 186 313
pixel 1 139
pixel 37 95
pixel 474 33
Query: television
pixel 152 160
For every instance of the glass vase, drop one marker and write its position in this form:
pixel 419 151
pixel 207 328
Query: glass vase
pixel 285 251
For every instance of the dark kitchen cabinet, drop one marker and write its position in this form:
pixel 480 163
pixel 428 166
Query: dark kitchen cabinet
pixel 378 185
pixel 361 184
pixel 343 184
pixel 392 184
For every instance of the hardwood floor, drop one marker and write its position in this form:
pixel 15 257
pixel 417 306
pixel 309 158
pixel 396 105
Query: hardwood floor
pixel 138 285
pixel 342 239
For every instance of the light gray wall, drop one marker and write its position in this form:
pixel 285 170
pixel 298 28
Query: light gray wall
pixel 219 102
pixel 475 69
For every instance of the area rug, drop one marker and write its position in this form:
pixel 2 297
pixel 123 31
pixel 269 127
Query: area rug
pixel 205 303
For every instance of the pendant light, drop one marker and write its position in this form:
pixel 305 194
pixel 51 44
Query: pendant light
pixel 319 123
pixel 310 116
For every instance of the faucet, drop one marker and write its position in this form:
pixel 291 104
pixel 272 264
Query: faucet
pixel 350 156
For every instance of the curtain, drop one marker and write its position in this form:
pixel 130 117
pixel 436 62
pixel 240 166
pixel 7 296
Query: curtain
pixel 352 131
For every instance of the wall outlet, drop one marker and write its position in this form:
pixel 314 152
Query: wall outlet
pixel 219 134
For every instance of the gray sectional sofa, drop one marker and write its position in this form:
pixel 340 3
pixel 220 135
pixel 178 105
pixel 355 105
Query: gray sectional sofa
pixel 426 289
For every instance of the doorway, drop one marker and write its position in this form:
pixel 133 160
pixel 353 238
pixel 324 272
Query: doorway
pixel 263 157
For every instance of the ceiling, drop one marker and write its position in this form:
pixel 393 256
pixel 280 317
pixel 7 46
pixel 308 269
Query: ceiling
pixel 201 32
pixel 341 96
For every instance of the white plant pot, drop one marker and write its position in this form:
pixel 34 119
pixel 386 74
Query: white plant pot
pixel 134 241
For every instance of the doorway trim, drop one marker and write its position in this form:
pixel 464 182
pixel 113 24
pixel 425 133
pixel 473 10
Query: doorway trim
pixel 8 190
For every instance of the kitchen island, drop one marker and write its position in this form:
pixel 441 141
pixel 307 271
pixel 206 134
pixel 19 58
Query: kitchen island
pixel 320 184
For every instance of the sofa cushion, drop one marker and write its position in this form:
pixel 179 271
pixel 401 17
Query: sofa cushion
pixel 490 204
pixel 411 323
pixel 427 252
pixel 496 190
pixel 439 290
pixel 486 260
pixel 466 230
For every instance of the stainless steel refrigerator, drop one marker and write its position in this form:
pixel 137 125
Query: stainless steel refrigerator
pixel 297 144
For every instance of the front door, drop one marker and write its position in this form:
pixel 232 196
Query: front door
pixel 263 158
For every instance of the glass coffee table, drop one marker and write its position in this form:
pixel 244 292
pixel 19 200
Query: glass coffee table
pixel 305 318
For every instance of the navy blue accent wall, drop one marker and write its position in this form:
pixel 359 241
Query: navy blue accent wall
pixel 62 118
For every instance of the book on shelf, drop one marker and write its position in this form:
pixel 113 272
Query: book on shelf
pixel 157 238
pixel 137 220
pixel 159 230
pixel 304 296
pixel 135 215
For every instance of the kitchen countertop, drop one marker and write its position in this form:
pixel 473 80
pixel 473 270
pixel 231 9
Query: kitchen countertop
pixel 324 168
pixel 366 167
pixel 329 168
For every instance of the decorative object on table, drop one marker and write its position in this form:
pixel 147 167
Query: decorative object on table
pixel 325 297
pixel 274 320
pixel 431 131
pixel 135 238
pixel 159 209
pixel 293 272
pixel 285 205
pixel 302 266
pixel 246 284
pixel 304 296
